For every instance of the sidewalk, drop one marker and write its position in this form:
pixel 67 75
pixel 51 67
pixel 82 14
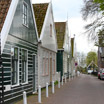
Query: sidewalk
pixel 33 99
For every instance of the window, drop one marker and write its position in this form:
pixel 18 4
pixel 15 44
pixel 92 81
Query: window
pixel 50 30
pixel 24 66
pixel 47 66
pixel 44 66
pixel 54 64
pixel 15 70
pixel 45 63
pixel 25 14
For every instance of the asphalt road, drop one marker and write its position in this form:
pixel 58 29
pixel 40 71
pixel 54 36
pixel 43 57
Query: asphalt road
pixel 86 89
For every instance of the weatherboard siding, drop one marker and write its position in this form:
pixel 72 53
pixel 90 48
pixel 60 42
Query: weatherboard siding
pixel 22 37
pixel 45 78
pixel 15 92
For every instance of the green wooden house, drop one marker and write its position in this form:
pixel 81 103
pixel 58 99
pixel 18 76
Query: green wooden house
pixel 63 47
pixel 19 45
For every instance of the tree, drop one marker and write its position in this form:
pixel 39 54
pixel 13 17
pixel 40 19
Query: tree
pixel 82 59
pixel 93 9
pixel 101 3
pixel 91 56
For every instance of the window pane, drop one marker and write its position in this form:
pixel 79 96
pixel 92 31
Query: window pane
pixel 23 8
pixel 14 72
pixel 15 67
pixel 25 20
pixel 25 14
pixel 16 53
pixel 24 61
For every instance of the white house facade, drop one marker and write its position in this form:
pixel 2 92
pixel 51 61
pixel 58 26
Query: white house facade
pixel 47 46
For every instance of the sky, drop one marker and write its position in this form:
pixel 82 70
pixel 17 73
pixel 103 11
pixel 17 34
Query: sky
pixel 64 10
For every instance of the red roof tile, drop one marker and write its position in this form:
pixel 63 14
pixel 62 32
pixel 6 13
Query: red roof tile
pixel 4 6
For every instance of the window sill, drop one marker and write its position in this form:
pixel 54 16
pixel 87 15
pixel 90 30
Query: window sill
pixel 53 74
pixel 45 75
pixel 25 25
pixel 24 83
pixel 15 85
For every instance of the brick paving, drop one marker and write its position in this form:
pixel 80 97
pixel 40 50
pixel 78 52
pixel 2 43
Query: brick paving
pixel 33 99
pixel 85 89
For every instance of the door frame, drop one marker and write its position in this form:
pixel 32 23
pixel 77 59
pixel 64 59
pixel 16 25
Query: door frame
pixel 34 77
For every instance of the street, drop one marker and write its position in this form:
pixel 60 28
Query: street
pixel 86 89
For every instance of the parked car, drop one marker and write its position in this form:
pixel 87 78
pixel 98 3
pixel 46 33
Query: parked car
pixel 90 71
pixel 101 74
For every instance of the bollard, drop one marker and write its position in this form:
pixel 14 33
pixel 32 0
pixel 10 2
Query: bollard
pixel 72 77
pixel 62 80
pixel 46 89
pixel 65 79
pixel 24 98
pixel 69 78
pixel 59 83
pixel 53 89
pixel 39 94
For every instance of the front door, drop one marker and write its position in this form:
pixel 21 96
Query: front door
pixel 33 73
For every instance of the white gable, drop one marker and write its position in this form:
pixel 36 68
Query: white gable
pixel 49 40
pixel 66 45
pixel 7 23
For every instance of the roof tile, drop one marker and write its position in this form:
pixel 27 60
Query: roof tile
pixel 4 6
pixel 40 12
pixel 60 32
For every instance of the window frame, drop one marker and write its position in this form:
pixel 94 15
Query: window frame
pixel 45 63
pixel 26 66
pixel 51 30
pixel 54 64
pixel 23 14
pixel 12 58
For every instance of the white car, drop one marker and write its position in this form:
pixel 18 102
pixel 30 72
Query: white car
pixel 90 71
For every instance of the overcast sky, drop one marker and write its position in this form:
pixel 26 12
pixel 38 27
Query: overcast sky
pixel 70 9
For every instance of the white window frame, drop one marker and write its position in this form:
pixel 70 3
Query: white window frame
pixel 44 62
pixel 18 67
pixel 54 63
pixel 26 67
pixel 47 64
pixel 25 14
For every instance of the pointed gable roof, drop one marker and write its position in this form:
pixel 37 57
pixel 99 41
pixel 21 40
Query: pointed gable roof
pixel 40 13
pixel 92 63
pixel 60 33
pixel 4 7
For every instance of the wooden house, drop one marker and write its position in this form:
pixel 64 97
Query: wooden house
pixel 63 47
pixel 92 68
pixel 73 57
pixel 47 46
pixel 100 57
pixel 19 44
